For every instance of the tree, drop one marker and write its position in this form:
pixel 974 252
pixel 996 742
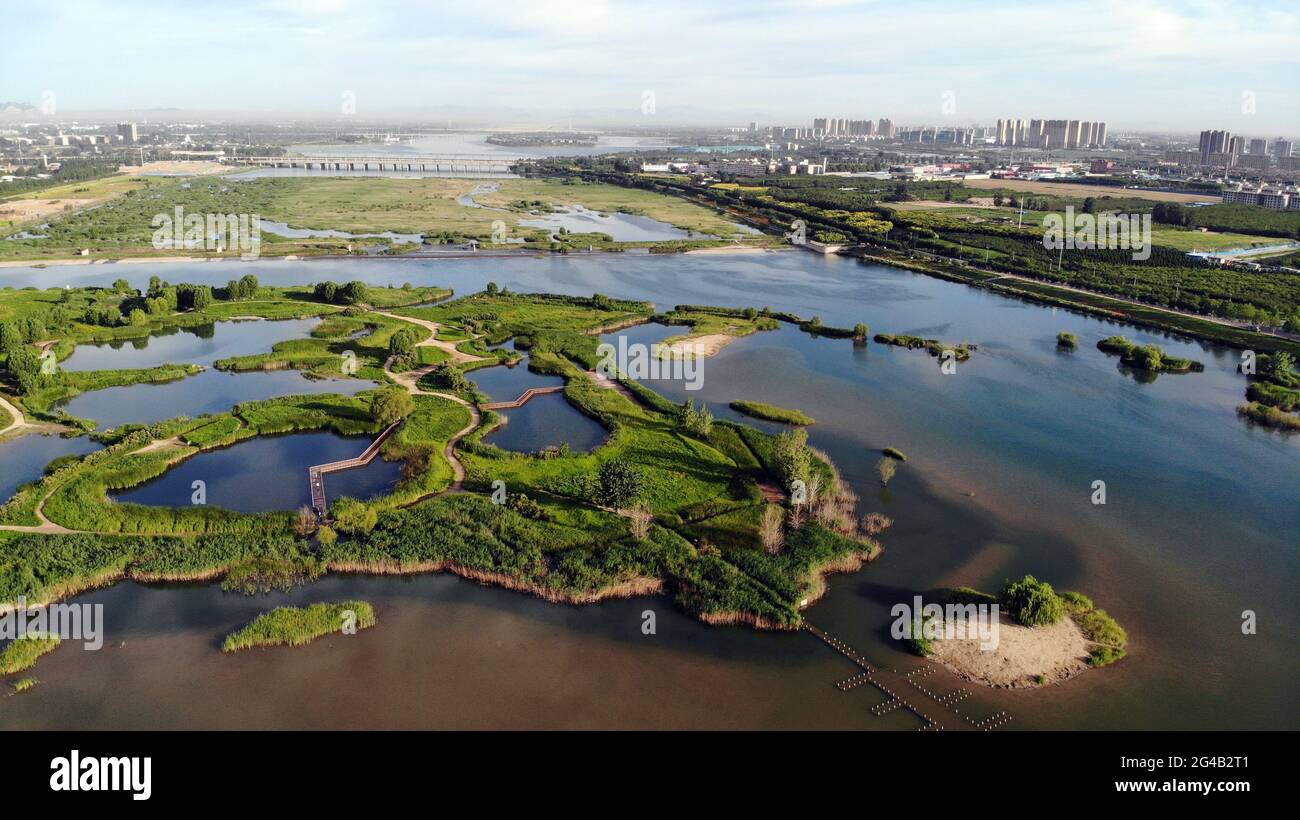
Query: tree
pixel 353 516
pixel 1032 602
pixel 639 520
pixel 791 457
pixel 1089 205
pixel 696 422
pixel 618 484
pixel 449 376
pixel 353 293
pixel 25 367
pixel 305 523
pixel 492 288
pixel 770 530
pixel 10 337
pixel 860 331
pixel 325 291
pixel 1279 366
pixel 402 343
pixel 390 405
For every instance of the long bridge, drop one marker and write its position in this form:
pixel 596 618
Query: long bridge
pixel 316 475
pixel 451 163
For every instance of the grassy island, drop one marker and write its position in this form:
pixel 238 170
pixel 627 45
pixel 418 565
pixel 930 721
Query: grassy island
pixel 23 652
pixel 1147 357
pixel 1067 341
pixel 1274 393
pixel 770 412
pixel 932 346
pixel 1051 636
pixel 673 502
pixel 295 626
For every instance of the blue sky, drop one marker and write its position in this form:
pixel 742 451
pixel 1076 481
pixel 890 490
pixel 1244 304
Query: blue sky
pixel 1144 64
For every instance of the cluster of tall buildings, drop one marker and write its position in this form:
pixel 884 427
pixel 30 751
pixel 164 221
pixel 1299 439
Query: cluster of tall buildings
pixel 842 127
pixel 1051 133
pixel 1223 149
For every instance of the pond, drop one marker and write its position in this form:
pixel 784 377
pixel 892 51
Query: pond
pixel 544 421
pixel 268 473
pixel 203 344
pixel 23 459
pixel 211 391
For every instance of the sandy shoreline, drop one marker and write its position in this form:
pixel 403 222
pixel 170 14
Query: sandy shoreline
pixel 698 346
pixel 1023 655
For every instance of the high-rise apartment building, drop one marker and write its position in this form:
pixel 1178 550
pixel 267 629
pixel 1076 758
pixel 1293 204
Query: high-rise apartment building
pixel 1258 147
pixel 1214 142
pixel 128 132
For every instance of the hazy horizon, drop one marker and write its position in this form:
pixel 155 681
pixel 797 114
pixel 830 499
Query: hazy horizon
pixel 1140 66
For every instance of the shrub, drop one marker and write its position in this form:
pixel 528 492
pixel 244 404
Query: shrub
pixel 1032 602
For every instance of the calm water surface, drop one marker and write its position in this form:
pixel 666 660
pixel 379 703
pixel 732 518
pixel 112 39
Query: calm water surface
pixel 1201 523
pixel 268 473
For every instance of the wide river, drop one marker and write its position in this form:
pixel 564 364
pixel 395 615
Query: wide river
pixel 1201 525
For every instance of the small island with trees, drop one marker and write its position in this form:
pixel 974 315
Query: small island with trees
pixel 1052 636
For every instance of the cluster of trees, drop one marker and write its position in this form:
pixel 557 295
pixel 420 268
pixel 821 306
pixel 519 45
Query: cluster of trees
pixel 402 343
pixel 353 293
pixel 695 421
pixel 450 377
pixel 1032 602
pixel 245 287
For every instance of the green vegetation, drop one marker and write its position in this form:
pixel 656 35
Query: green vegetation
pixel 426 208
pixel 978 244
pixel 932 346
pixel 22 652
pixel 295 626
pixel 1032 602
pixel 23 684
pixel 673 500
pixel 1147 357
pixel 1068 341
pixel 1269 416
pixel 894 453
pixel 1097 626
pixel 770 412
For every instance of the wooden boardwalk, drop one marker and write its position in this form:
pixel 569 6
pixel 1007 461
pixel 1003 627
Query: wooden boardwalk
pixel 316 475
pixel 523 399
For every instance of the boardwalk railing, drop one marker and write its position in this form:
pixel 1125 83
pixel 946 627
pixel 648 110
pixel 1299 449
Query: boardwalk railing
pixel 522 400
pixel 316 475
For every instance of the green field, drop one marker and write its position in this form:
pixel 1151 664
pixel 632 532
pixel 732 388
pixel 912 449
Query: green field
pixel 122 226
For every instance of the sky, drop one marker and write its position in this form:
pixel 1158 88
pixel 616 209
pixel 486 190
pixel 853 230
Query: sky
pixel 1139 64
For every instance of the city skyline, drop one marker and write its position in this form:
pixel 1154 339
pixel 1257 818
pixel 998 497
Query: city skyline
pixel 1162 68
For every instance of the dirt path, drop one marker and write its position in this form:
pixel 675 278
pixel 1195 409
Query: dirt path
pixel 457 357
pixel 18 420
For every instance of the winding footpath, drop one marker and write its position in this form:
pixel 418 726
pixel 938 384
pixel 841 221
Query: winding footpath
pixel 18 422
